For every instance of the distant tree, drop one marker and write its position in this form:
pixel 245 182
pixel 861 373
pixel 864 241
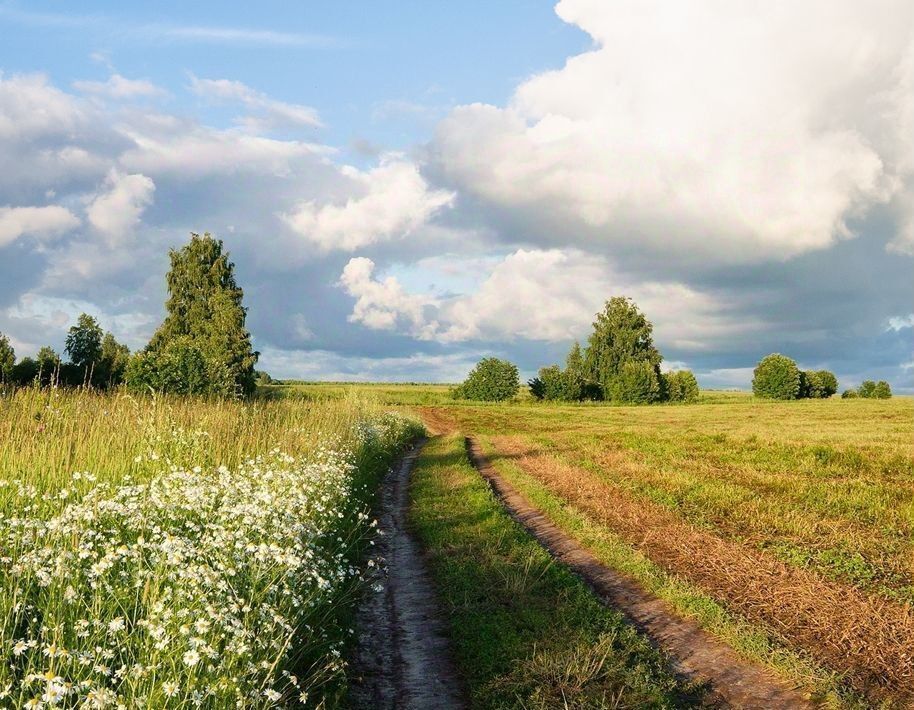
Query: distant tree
pixel 112 362
pixel 492 380
pixel 24 372
pixel 827 383
pixel 7 358
pixel 555 386
pixel 84 345
pixel 776 377
pixel 205 305
pixel 850 394
pixel 537 388
pixel 637 383
pixel 681 386
pixel 262 378
pixel 882 390
pixel 48 365
pixel 621 335
pixel 576 386
pixel 867 389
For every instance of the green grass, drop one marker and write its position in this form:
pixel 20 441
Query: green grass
pixel 527 633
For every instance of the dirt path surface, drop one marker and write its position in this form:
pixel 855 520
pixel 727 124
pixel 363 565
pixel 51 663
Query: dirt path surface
pixel 402 659
pixel 695 654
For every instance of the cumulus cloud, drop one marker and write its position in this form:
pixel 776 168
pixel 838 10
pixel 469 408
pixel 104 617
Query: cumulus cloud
pixel 271 113
pixel 393 201
pixel 724 131
pixel 118 209
pixel 384 305
pixel 120 87
pixel 39 222
pixel 543 295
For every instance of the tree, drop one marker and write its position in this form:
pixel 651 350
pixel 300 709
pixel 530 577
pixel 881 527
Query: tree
pixel 867 389
pixel 205 305
pixel 637 383
pixel 112 363
pixel 621 334
pixel 554 383
pixel 850 394
pixel 575 374
pixel 24 372
pixel 48 365
pixel 776 377
pixel 537 388
pixel 681 386
pixel 84 344
pixel 7 359
pixel 492 380
pixel 882 390
pixel 827 383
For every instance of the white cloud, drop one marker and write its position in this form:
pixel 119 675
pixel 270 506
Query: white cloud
pixel 29 106
pixel 384 305
pixel 717 131
pixel 901 322
pixel 546 295
pixel 118 209
pixel 273 113
pixel 39 222
pixel 120 87
pixel 394 201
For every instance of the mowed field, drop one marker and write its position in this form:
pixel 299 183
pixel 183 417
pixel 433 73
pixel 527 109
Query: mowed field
pixel 786 529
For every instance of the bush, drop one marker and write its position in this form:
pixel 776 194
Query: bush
pixel 492 380
pixel 776 377
pixel 681 386
pixel 24 372
pixel 178 368
pixel 537 388
pixel 867 389
pixel 638 382
pixel 882 390
pixel 850 394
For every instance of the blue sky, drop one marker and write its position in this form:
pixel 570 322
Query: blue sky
pixel 407 186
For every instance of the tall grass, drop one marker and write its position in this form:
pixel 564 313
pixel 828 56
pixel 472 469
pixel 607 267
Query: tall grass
pixel 174 553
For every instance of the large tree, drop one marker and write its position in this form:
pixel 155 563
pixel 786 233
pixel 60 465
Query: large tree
pixel 204 311
pixel 621 335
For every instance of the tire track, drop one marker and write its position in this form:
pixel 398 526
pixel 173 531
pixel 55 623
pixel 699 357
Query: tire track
pixel 402 658
pixel 695 655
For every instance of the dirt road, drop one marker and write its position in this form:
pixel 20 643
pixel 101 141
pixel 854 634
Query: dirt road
pixel 402 659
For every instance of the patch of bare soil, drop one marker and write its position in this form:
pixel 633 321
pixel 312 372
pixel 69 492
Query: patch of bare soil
pixel 868 639
pixel 402 658
pixel 732 681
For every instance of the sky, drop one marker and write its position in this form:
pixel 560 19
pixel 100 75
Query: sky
pixel 405 187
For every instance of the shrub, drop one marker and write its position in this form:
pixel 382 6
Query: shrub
pixel 681 386
pixel 492 380
pixel 537 388
pixel 776 377
pixel 882 390
pixel 850 394
pixel 866 389
pixel 638 382
pixel 178 368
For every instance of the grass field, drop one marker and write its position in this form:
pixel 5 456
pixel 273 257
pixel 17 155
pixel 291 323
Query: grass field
pixel 178 552
pixel 785 527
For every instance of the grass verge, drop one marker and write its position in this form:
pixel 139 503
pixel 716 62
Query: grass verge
pixel 527 633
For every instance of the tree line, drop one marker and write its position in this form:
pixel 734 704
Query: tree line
pixel 621 364
pixel 202 347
